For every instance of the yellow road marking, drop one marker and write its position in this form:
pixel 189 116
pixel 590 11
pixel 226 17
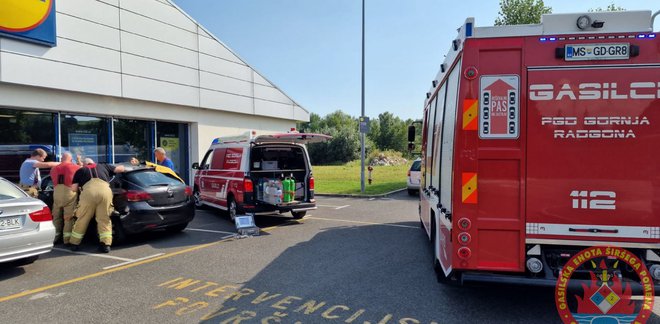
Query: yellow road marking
pixel 124 267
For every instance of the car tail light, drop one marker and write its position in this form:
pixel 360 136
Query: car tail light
pixel 136 195
pixel 408 172
pixel 248 186
pixel 311 183
pixel 188 191
pixel 42 215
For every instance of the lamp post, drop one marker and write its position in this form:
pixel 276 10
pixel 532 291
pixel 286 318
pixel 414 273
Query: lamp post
pixel 362 134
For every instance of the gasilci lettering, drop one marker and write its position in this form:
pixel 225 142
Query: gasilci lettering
pixel 595 91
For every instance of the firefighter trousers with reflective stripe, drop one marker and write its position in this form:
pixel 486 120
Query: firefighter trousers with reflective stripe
pixel 64 204
pixel 95 199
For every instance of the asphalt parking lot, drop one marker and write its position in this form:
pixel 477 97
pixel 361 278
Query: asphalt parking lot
pixel 350 261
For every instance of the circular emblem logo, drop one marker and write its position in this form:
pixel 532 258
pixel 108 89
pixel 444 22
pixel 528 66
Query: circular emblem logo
pixel 596 286
pixel 23 15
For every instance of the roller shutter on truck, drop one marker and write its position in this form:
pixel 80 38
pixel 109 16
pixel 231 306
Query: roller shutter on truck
pixel 593 153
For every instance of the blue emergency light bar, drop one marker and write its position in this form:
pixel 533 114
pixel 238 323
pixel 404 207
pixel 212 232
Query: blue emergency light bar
pixel 640 36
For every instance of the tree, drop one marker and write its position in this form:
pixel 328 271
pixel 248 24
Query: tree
pixel 313 125
pixel 610 7
pixel 392 134
pixel 343 147
pixel 387 132
pixel 374 130
pixel 519 12
pixel 345 143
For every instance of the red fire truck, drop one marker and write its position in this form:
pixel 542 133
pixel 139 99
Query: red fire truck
pixel 539 141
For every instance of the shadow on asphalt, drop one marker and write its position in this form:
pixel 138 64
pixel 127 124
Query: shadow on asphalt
pixel 161 239
pixel 370 272
pixel 10 270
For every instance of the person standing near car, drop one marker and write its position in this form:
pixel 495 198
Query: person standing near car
pixel 93 180
pixel 162 159
pixel 29 172
pixel 64 198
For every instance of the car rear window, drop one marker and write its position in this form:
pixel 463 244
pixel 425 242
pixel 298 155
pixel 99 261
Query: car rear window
pixel 9 191
pixel 151 178
pixel 416 166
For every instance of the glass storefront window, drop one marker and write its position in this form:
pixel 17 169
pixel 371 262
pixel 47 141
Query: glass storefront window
pixel 20 133
pixel 85 135
pixel 23 131
pixel 133 138
pixel 173 137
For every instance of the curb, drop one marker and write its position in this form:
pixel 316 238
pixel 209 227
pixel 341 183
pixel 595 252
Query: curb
pixel 360 196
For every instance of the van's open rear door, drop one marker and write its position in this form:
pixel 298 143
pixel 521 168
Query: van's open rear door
pixel 593 153
pixel 298 138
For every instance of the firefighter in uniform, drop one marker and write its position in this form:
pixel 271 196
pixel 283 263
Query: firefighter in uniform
pixel 95 200
pixel 64 198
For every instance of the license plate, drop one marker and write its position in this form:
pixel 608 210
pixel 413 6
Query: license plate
pixel 587 52
pixel 10 223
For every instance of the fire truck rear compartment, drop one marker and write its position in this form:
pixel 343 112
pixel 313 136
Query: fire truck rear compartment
pixel 277 162
pixel 585 182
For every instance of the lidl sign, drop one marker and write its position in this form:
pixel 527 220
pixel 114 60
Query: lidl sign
pixel 29 20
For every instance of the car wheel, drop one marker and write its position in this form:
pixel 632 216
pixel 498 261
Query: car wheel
pixel 412 192
pixel 197 198
pixel 231 208
pixel 176 228
pixel 299 215
pixel 26 261
pixel 118 232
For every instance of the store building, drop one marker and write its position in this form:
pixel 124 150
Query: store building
pixel 113 79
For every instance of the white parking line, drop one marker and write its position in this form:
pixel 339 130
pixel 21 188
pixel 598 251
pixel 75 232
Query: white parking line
pixel 131 261
pixel 333 206
pixel 209 231
pixel 360 222
pixel 94 254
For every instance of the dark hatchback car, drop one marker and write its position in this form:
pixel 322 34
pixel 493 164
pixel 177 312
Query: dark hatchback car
pixel 144 200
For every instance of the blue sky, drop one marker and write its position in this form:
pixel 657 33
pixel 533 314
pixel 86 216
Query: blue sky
pixel 311 48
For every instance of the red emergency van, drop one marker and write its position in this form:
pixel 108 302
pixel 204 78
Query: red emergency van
pixel 245 174
pixel 542 140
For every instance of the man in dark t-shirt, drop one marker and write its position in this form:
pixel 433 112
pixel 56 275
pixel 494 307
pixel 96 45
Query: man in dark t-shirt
pixel 102 171
pixel 95 200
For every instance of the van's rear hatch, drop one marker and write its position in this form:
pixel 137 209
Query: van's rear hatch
pixel 593 153
pixel 297 138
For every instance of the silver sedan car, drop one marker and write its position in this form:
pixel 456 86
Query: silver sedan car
pixel 26 225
